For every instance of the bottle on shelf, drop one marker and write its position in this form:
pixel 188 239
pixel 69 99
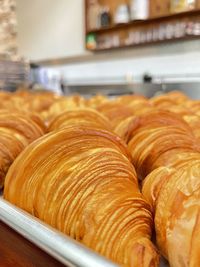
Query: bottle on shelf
pixel 91 42
pixel 93 16
pixel 105 17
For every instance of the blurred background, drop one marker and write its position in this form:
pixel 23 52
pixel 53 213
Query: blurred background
pixel 101 46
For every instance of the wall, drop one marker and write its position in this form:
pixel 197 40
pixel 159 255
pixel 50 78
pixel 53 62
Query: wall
pixel 50 29
pixel 170 61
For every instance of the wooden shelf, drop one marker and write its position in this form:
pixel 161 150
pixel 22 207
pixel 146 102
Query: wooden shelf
pixel 145 22
pixel 158 42
pixel 160 23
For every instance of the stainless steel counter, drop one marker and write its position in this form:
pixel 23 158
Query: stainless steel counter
pixel 192 89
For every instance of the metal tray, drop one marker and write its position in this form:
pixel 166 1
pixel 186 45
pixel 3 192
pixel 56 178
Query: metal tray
pixel 59 246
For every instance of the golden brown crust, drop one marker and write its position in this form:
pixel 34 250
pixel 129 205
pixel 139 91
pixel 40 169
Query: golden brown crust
pixel 151 135
pixel 80 117
pixel 80 180
pixel 124 128
pixel 175 196
pixel 95 101
pixel 172 98
pixel 65 103
pixel 16 132
pixel 10 148
pixel 194 122
pixel 123 107
pixel 164 146
pixel 115 112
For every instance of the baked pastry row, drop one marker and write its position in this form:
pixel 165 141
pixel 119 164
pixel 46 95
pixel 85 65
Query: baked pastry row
pixel 80 177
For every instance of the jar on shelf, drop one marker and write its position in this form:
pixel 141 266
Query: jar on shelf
pixel 182 5
pixel 122 15
pixel 139 9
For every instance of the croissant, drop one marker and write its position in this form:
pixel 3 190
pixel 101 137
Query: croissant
pixel 180 110
pixel 80 117
pixel 115 112
pixel 64 104
pixel 124 128
pixel 42 101
pixel 174 158
pixel 164 147
pixel 138 103
pixel 96 101
pixel 14 103
pixel 151 135
pixel 131 99
pixel 174 194
pixel 16 132
pixel 194 123
pixel 35 102
pixel 193 106
pixel 172 98
pixel 176 102
pixel 120 109
pixel 4 96
pixel 80 180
